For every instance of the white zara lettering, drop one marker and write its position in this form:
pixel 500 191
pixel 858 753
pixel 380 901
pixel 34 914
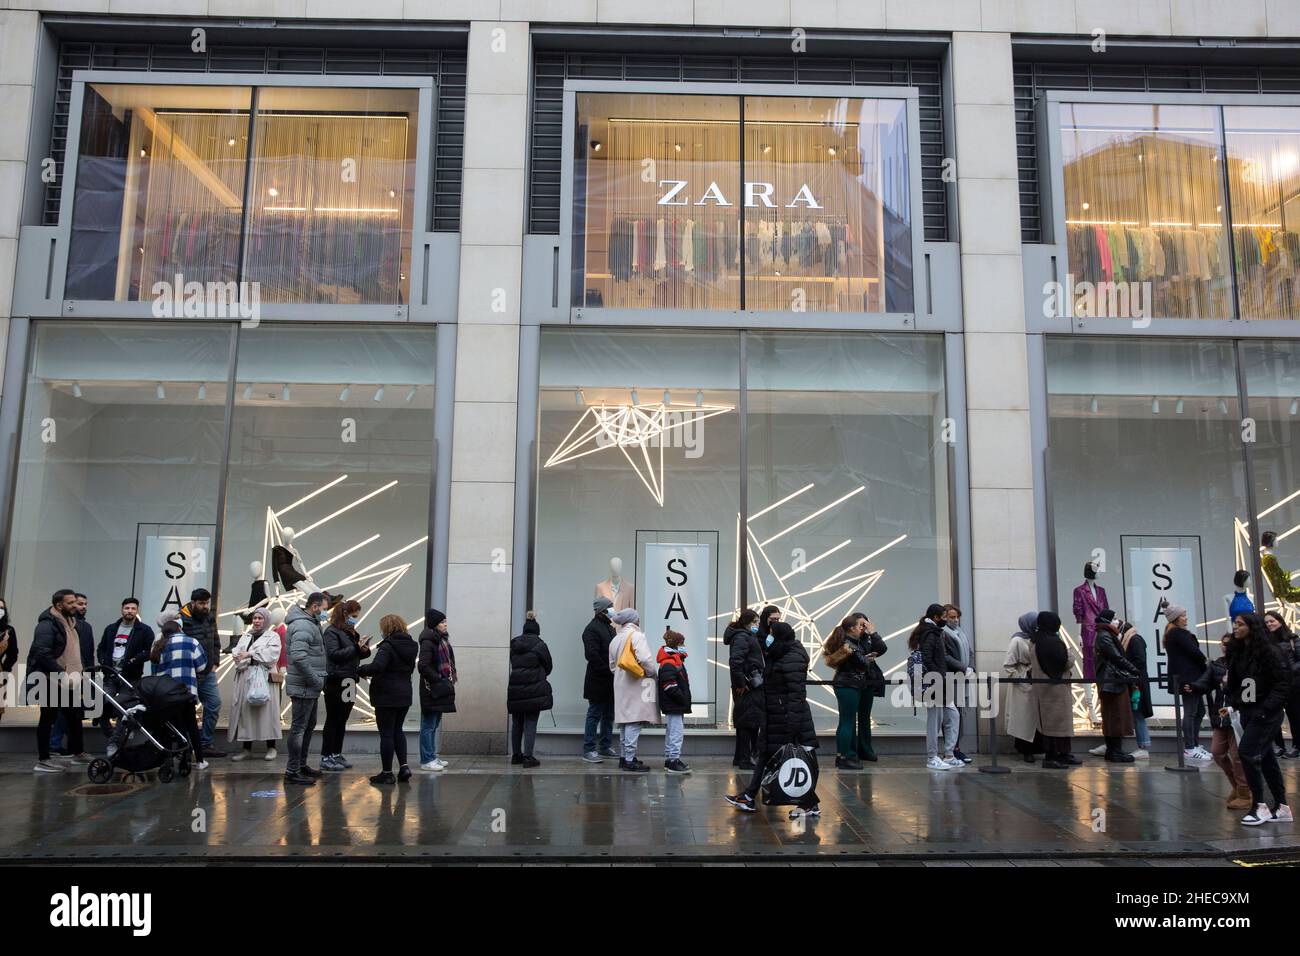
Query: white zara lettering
pixel 756 193
pixel 76 909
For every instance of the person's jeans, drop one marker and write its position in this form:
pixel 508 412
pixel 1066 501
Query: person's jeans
pixel 1223 748
pixel 337 711
pixel 628 735
pixel 934 717
pixel 210 698
pixel 1193 711
pixel 302 724
pixel 72 720
pixel 1142 732
pixel 392 738
pixel 430 724
pixel 674 733
pixel 600 726
pixel 523 732
pixel 1258 759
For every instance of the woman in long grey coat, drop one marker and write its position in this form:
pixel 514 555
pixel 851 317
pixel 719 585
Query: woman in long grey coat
pixel 1022 715
pixel 258 648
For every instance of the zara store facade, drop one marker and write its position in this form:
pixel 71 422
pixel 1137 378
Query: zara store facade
pixel 763 322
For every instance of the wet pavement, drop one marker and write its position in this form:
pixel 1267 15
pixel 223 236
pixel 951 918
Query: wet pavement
pixel 484 810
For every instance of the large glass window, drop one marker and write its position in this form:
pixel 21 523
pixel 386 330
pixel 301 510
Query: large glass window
pixel 755 202
pixel 848 490
pixel 330 467
pixel 119 467
pixel 1264 182
pixel 640 463
pixel 163 174
pixel 1147 480
pixel 1145 211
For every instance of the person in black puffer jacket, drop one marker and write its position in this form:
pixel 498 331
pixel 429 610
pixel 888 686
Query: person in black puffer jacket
pixel 1223 738
pixel 1288 644
pixel 1116 680
pixel 598 684
pixel 529 692
pixel 788 716
pixel 345 649
pixel 1186 665
pixel 747 697
pixel 437 686
pixel 390 694
pixel 940 715
pixel 1257 686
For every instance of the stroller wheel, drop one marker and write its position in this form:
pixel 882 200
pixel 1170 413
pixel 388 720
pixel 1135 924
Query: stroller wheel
pixel 166 772
pixel 184 768
pixel 100 770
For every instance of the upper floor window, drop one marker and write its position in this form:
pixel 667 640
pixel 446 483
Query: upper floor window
pixel 1182 211
pixel 309 192
pixel 771 203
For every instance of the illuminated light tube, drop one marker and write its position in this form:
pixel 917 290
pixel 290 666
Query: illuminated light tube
pixel 819 511
pixel 305 498
pixel 378 491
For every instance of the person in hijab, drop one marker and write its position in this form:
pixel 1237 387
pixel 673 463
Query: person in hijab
pixel 259 648
pixel 635 703
pixel 1022 715
pixel 769 616
pixel 1051 660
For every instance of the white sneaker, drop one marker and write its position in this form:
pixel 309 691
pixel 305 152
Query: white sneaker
pixel 241 755
pixel 1098 751
pixel 49 766
pixel 937 763
pixel 445 763
pixel 271 754
pixel 432 766
pixel 201 765
pixel 1261 814
pixel 1282 815
pixel 954 762
pixel 1141 755
pixel 1196 753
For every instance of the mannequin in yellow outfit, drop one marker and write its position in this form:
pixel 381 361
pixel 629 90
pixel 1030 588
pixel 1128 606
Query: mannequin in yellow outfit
pixel 1279 579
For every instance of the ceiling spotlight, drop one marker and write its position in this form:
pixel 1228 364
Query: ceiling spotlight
pixel 392 194
pixel 76 393
pixel 1155 406
pixel 284 392
pixel 347 391
pixel 668 399
pixel 273 191
pixel 830 150
pixel 578 398
pixel 677 147
pixel 635 400
pixel 1092 406
pixel 1295 404
pixel 699 398
pixel 595 145
pixel 1178 407
pixel 143 152
pixel 1223 407
pixel 767 148
pixel 248 392
pixel 1084 206
pixel 160 392
pixel 231 141
pixel 411 394
pixel 379 394
pixel 203 391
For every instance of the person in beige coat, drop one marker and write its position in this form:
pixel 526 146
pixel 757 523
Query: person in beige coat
pixel 636 701
pixel 1022 715
pixel 1050 660
pixel 258 648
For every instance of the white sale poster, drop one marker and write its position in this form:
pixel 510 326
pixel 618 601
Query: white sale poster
pixel 677 596
pixel 1160 573
pixel 174 565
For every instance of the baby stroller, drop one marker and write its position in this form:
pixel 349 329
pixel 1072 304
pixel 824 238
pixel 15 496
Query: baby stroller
pixel 146 736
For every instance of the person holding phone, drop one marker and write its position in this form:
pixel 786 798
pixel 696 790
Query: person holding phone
pixel 345 649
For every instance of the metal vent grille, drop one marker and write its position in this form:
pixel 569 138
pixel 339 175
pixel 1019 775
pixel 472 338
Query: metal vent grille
pixel 1034 78
pixel 552 69
pixel 448 67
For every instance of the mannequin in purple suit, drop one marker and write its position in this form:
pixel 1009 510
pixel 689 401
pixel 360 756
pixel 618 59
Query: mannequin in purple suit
pixel 1089 600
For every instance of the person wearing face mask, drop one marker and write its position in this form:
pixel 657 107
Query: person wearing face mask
pixel 345 649
pixel 257 650
pixel 769 616
pixel 306 680
pixel 8 651
pixel 747 696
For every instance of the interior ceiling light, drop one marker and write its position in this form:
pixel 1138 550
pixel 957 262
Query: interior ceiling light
pixel 231 141
pixel 1084 206
pixel 284 392
pixel 1178 407
pixel 595 146
pixel 830 150
pixel 273 191
pixel 631 429
pixel 160 392
pixel 1155 406
pixel 767 147
pixel 635 400
pixel 1223 407
pixel 1092 406
pixel 344 395
pixel 699 398
pixel 578 398
pixel 1295 404
pixel 668 398
pixel 203 391
pixel 411 394
pixel 379 394
pixel 76 393
pixel 248 392
pixel 677 146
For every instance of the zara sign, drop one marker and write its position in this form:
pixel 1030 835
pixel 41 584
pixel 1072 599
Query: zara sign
pixel 755 194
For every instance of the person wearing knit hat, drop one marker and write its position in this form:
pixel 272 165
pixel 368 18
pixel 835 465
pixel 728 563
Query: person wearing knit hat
pixel 598 684
pixel 674 688
pixel 436 664
pixel 1186 665
pixel 634 685
pixel 528 692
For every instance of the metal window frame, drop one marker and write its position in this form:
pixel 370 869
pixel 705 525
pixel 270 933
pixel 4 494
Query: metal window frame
pixel 737 318
pixel 420 227
pixel 1052 178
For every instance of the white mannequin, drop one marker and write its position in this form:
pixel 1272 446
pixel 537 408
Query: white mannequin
pixel 286 539
pixel 615 588
pixel 255 569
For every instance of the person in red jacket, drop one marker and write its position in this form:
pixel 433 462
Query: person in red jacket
pixel 674 687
